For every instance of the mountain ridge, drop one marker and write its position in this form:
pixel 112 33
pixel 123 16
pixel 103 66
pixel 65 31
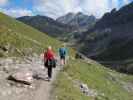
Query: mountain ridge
pixel 78 20
pixel 62 31
pixel 45 24
pixel 116 29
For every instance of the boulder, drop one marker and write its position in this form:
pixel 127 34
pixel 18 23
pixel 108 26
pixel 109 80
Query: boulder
pixel 87 91
pixel 22 76
pixel 128 86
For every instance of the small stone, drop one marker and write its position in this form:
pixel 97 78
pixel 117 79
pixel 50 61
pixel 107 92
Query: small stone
pixel 87 91
pixel 32 87
pixel 9 92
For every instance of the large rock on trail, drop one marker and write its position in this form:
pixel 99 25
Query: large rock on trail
pixel 22 76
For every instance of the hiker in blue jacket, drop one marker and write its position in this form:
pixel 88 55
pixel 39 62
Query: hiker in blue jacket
pixel 62 54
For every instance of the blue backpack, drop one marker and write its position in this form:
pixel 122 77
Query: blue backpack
pixel 62 51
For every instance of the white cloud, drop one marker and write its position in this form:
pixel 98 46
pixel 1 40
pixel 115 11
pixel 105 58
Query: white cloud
pixel 56 8
pixel 3 2
pixel 17 12
pixel 95 7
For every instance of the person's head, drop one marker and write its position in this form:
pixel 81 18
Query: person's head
pixel 49 48
pixel 64 45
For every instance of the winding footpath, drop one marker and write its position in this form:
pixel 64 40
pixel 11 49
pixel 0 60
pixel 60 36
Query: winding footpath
pixel 44 90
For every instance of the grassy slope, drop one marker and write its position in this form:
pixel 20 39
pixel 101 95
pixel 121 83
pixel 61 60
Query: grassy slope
pixel 96 77
pixel 21 36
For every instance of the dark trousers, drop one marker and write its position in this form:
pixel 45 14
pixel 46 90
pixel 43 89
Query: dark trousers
pixel 49 72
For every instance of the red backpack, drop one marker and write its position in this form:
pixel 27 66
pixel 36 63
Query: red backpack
pixel 50 60
pixel 49 55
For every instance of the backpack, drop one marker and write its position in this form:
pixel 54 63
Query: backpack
pixel 62 51
pixel 50 61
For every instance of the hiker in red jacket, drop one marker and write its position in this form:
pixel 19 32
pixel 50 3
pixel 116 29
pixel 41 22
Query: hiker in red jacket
pixel 49 61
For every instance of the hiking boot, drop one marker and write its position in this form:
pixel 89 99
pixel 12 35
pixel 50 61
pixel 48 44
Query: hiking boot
pixel 49 79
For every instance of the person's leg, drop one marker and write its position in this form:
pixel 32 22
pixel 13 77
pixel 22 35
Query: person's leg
pixel 63 60
pixel 50 72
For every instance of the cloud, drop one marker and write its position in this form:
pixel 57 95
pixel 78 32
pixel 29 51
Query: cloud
pixel 95 7
pixel 56 8
pixel 17 12
pixel 3 2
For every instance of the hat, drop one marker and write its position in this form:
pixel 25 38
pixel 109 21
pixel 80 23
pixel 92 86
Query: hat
pixel 49 47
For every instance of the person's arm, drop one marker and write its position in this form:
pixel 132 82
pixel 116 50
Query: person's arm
pixel 54 55
pixel 67 54
pixel 59 51
pixel 66 51
pixel 44 56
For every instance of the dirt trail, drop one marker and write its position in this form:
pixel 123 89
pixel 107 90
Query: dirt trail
pixel 39 90
pixel 43 92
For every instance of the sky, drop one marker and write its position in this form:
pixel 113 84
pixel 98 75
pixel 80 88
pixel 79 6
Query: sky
pixel 57 8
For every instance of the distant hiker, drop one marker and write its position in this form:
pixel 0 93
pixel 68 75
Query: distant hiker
pixel 62 54
pixel 49 61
